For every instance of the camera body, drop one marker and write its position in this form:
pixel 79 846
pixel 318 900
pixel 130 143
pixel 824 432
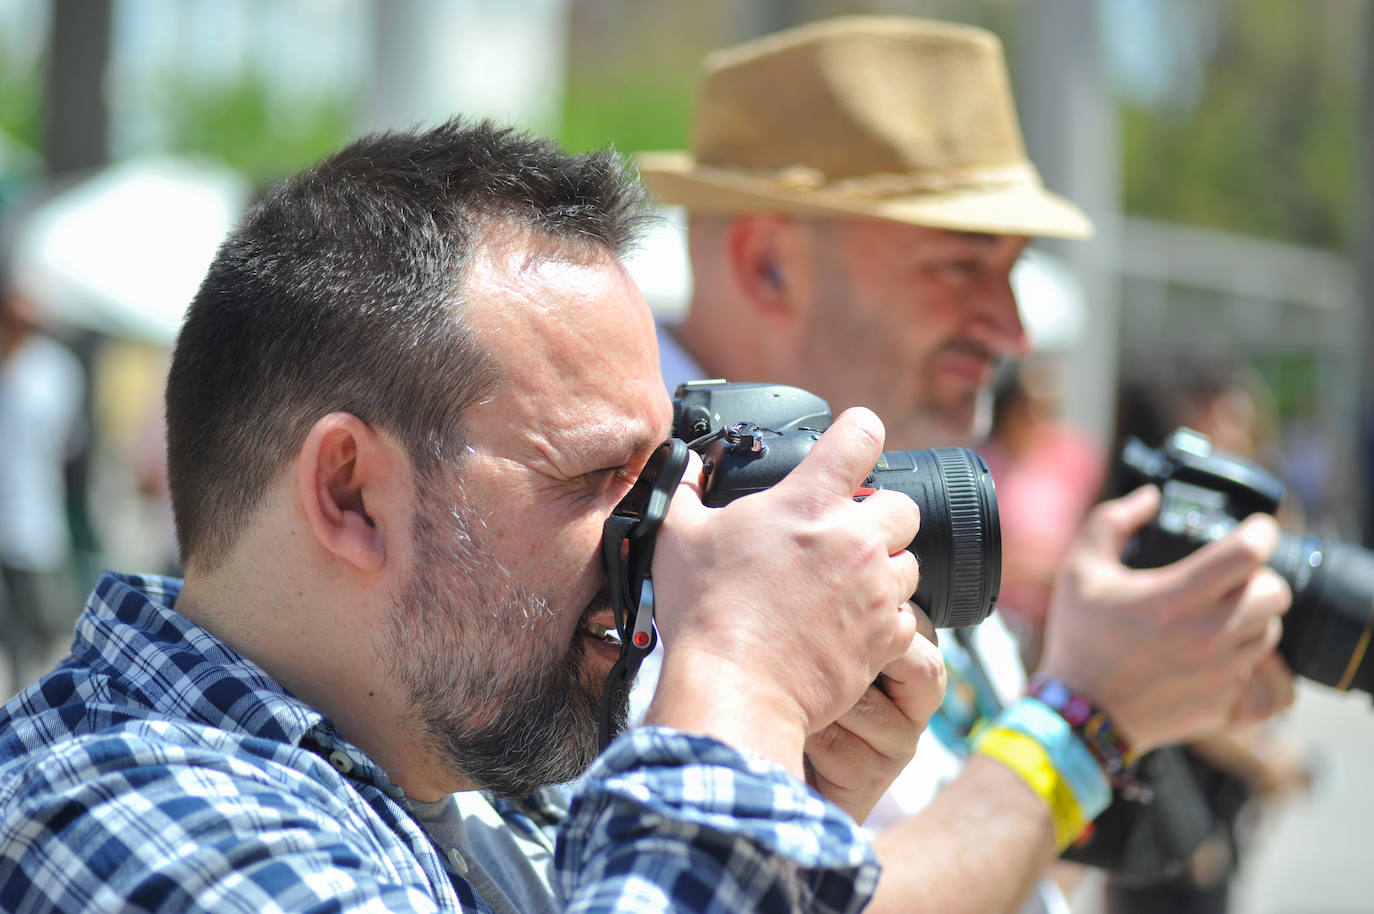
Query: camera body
pixel 1205 493
pixel 751 435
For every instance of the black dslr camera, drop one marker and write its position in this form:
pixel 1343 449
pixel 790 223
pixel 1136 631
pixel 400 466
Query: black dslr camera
pixel 1326 633
pixel 1191 807
pixel 750 435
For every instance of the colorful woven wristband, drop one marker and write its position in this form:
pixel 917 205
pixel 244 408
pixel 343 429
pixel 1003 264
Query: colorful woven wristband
pixel 1092 724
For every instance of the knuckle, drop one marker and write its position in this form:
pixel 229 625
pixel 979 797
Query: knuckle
pixel 939 675
pixel 1257 537
pixel 1273 633
pixel 1254 553
pixel 1199 652
pixel 868 704
pixel 1276 589
pixel 870 543
pixel 828 739
pixel 929 661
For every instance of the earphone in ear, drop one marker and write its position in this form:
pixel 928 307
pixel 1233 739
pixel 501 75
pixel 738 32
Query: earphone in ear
pixel 774 275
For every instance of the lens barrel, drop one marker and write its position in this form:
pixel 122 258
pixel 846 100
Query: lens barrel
pixel 1326 632
pixel 960 541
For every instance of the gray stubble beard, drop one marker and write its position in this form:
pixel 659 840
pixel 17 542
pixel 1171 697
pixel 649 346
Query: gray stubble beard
pixel 509 727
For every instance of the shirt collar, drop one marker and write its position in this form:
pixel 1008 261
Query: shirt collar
pixel 131 634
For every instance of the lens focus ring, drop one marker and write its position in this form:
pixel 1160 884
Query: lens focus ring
pixel 968 601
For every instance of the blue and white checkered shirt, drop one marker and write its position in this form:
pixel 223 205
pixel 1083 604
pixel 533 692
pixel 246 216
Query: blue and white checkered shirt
pixel 155 769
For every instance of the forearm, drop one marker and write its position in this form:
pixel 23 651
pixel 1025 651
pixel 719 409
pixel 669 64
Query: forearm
pixel 980 846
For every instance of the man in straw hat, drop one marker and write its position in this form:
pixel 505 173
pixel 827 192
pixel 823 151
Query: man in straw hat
pixel 858 193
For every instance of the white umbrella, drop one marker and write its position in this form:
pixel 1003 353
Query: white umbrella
pixel 1053 307
pixel 124 251
pixel 659 265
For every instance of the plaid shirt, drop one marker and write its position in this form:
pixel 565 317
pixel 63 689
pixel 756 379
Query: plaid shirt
pixel 157 769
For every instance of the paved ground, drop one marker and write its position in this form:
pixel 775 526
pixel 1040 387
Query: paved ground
pixel 1316 853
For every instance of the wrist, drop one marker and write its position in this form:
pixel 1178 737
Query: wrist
pixel 1093 726
pixel 700 692
pixel 1038 745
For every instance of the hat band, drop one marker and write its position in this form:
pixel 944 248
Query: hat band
pixel 885 185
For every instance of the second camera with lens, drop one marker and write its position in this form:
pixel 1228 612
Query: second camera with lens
pixel 1193 805
pixel 1327 631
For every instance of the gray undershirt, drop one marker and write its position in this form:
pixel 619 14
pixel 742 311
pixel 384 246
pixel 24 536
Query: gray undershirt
pixel 510 869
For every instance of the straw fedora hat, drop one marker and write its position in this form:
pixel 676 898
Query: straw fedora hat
pixel 878 116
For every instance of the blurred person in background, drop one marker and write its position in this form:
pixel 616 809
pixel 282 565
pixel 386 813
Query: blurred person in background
pixel 1316 459
pixel 1238 770
pixel 42 426
pixel 857 194
pixel 1049 474
pixel 1208 390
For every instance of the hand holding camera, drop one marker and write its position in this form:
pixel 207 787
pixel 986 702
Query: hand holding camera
pixel 855 760
pixel 1168 652
pixel 766 440
pixel 751 435
pixel 786 604
pixel 1208 512
pixel 1192 510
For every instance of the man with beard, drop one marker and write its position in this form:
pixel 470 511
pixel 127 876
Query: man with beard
pixel 857 195
pixel 414 384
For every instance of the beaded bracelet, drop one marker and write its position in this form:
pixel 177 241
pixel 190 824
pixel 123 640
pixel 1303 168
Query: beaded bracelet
pixel 1094 727
pixel 1030 761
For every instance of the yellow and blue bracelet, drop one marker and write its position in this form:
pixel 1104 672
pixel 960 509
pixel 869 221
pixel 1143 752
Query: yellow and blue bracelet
pixel 1038 745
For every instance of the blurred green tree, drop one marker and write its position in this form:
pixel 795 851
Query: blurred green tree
pixel 1266 148
pixel 20 109
pixel 249 125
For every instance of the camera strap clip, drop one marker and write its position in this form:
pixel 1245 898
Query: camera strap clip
pixel 627 548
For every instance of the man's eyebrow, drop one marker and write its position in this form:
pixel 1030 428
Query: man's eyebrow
pixel 980 237
pixel 623 439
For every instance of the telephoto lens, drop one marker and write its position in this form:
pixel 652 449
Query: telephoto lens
pixel 1326 632
pixel 751 435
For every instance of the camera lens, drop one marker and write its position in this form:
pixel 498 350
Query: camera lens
pixel 960 540
pixel 1326 633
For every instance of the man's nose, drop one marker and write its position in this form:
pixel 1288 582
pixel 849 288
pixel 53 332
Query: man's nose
pixel 999 319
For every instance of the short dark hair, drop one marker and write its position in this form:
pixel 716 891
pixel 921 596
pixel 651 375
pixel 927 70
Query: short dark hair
pixel 341 290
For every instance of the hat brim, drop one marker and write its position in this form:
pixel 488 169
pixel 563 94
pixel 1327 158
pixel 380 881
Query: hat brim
pixel 1005 209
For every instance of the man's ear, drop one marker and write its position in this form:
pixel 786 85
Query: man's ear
pixel 347 478
pixel 762 250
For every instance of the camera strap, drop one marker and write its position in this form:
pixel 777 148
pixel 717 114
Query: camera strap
pixel 627 548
